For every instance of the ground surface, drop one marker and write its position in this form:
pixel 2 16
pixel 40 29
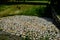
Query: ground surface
pixel 28 28
pixel 22 9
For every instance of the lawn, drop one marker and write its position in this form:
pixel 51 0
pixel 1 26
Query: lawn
pixel 22 9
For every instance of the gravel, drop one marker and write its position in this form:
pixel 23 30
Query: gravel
pixel 29 27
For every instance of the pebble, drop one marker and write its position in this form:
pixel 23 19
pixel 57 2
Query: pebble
pixel 32 26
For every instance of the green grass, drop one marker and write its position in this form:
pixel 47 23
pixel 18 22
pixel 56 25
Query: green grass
pixel 23 9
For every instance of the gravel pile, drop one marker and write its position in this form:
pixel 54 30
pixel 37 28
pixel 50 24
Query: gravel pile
pixel 29 28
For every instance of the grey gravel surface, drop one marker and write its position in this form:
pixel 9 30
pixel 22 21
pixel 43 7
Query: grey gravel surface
pixel 35 28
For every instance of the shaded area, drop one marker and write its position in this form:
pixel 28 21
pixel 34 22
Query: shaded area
pixel 26 2
pixel 55 18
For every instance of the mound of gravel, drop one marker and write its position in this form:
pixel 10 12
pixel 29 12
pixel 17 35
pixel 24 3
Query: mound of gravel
pixel 29 28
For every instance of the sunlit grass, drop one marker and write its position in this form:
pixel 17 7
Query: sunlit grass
pixel 33 10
